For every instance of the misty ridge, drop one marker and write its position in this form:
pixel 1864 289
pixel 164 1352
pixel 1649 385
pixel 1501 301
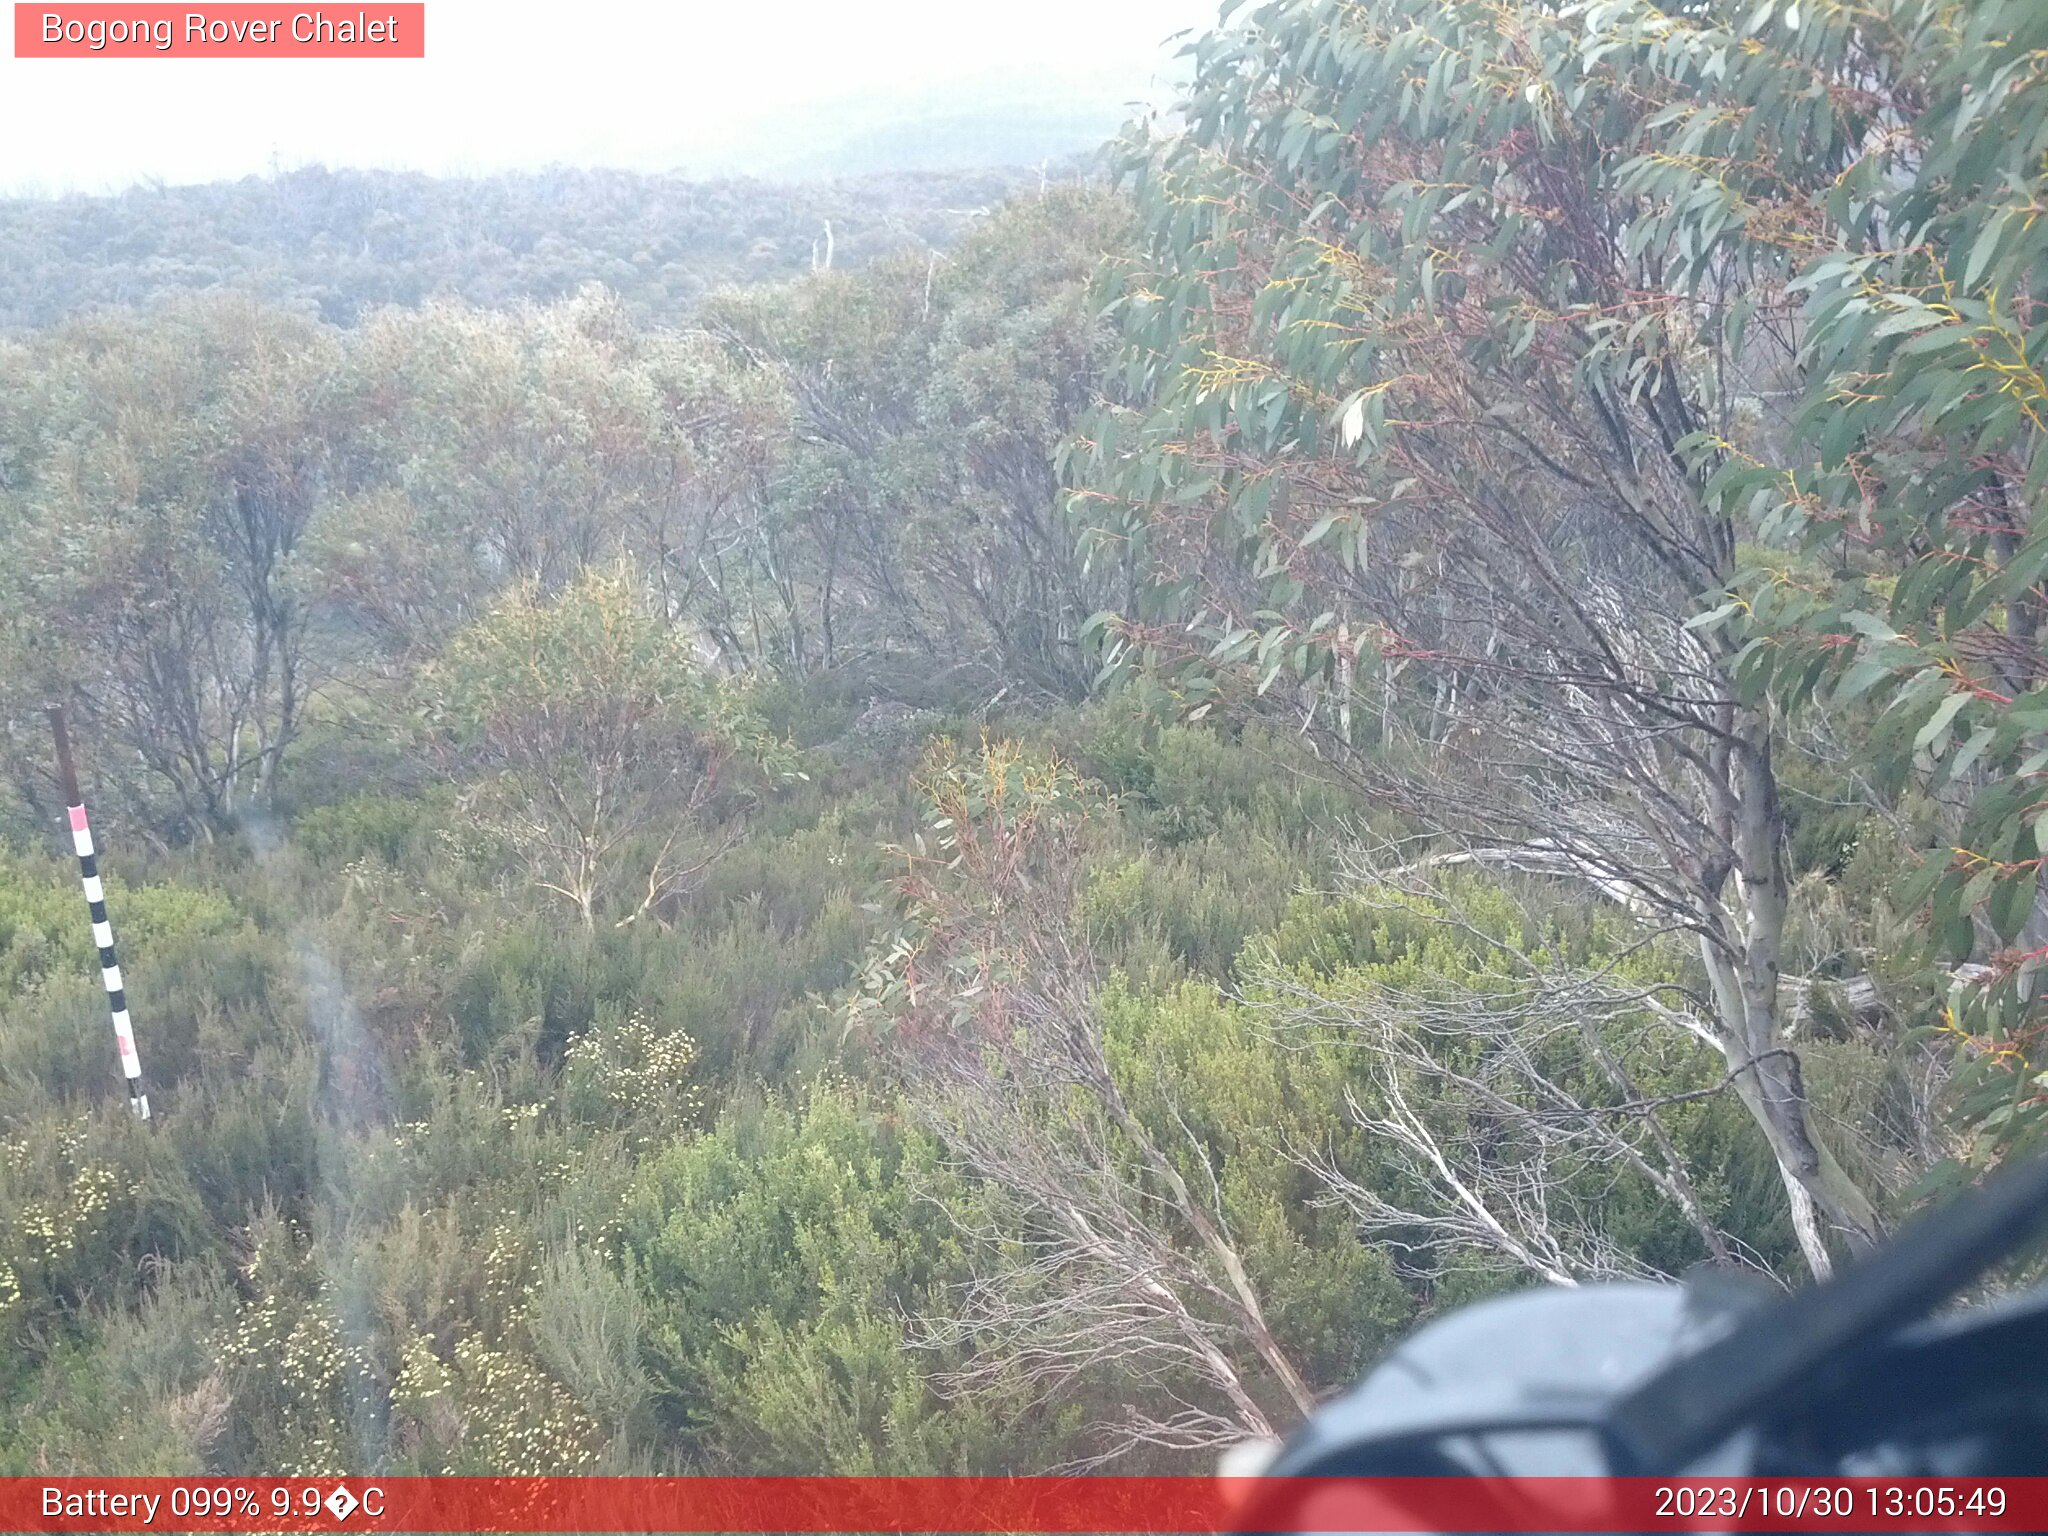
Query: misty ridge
pixel 334 243
pixel 887 175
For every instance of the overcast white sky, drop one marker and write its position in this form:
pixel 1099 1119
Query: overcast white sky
pixel 647 84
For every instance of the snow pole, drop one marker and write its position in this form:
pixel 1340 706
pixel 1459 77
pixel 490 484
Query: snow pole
pixel 96 904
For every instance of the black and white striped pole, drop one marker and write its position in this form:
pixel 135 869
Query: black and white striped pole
pixel 96 903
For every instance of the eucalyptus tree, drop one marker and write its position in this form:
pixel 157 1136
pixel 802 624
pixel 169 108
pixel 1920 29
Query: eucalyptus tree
pixel 1444 317
pixel 158 502
pixel 599 741
pixel 1911 492
pixel 914 528
pixel 533 444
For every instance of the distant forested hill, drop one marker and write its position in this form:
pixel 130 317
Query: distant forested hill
pixel 335 243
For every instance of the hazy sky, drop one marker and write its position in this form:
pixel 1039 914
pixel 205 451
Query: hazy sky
pixel 507 83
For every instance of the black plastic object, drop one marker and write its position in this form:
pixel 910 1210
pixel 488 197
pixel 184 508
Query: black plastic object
pixel 1801 1350
pixel 1645 1380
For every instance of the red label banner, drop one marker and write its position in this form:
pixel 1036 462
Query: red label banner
pixel 1156 1506
pixel 224 31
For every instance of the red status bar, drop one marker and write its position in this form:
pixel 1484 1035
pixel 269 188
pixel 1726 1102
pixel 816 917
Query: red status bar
pixel 1157 1506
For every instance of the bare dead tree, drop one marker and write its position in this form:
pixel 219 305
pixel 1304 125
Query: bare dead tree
pixel 1116 1256
pixel 1504 1109
pixel 1103 1211
pixel 1502 1209
pixel 1110 1262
